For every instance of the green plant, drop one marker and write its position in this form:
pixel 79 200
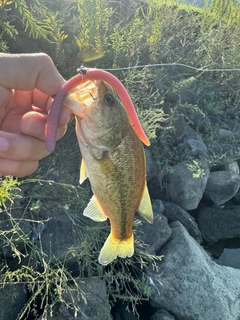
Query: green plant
pixel 49 285
pixel 197 169
pixel 9 190
pixel 92 37
pixel 125 278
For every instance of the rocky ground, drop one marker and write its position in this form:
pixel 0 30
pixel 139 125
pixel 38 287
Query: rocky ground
pixel 196 231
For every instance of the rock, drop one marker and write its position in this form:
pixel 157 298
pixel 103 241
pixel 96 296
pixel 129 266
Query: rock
pixel 224 151
pixel 64 231
pixel 196 144
pixel 58 236
pixel 217 123
pixel 151 169
pixel 215 223
pixel 95 307
pixel 155 235
pixel 236 198
pixel 230 257
pixel 190 285
pixel 183 188
pixel 233 167
pixel 225 133
pixel 192 141
pixel 175 213
pixel 162 315
pixel 13 297
pixel 222 186
pixel 121 312
pixel 198 147
pixel 188 96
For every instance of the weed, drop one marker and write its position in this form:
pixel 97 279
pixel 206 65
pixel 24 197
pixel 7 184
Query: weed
pixel 196 168
pixel 9 190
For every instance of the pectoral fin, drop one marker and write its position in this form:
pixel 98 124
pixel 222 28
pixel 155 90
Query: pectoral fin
pixel 94 211
pixel 83 172
pixel 145 207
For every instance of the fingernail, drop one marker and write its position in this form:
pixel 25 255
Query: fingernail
pixel 4 144
pixel 28 126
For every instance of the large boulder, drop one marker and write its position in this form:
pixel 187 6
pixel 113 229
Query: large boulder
pixel 175 213
pixel 222 186
pixel 230 257
pixel 94 306
pixel 216 224
pixel 184 188
pixel 162 315
pixel 151 169
pixel 189 285
pixel 65 231
pixel 155 235
pixel 13 297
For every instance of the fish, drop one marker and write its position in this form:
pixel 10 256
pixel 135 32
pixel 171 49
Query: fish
pixel 113 159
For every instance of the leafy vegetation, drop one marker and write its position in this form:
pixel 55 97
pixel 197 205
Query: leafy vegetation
pixel 114 34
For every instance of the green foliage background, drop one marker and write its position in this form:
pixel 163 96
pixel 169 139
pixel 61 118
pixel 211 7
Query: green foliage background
pixel 118 34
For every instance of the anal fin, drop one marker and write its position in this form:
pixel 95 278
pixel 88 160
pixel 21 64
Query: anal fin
pixel 145 207
pixel 94 211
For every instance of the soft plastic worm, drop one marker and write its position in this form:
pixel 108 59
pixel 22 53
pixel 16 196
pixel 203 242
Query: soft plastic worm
pixel 91 74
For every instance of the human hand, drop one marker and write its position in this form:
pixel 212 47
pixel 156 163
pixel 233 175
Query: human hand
pixel 27 82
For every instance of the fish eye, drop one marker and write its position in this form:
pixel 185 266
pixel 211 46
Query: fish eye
pixel 109 99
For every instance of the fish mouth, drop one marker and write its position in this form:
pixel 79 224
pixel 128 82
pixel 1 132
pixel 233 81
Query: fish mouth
pixel 82 96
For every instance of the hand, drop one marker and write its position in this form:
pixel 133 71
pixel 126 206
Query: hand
pixel 27 82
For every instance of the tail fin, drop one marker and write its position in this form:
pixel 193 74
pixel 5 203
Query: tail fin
pixel 114 248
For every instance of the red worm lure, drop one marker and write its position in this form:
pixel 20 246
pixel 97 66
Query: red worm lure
pixel 91 74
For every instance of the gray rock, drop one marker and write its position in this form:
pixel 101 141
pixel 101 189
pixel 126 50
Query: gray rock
pixel 183 188
pixel 233 167
pixel 122 312
pixel 221 186
pixel 230 257
pixel 155 235
pixel 64 231
pixel 13 298
pixel 58 236
pixel 162 315
pixel 175 213
pixel 198 147
pixel 215 223
pixel 224 151
pixel 151 169
pixel 37 231
pixel 225 133
pixel 217 123
pixel 95 307
pixel 192 141
pixel 195 142
pixel 236 198
pixel 190 285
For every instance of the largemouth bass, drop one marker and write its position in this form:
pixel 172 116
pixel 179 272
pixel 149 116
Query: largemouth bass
pixel 113 159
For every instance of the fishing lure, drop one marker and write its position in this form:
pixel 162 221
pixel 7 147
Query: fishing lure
pixel 84 76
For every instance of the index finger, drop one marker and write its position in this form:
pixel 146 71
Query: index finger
pixel 29 71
